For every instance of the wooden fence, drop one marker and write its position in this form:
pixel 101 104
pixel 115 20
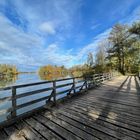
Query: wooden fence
pixel 68 86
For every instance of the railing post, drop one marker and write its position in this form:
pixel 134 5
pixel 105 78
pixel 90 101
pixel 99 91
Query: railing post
pixel 54 91
pixel 74 91
pixel 103 77
pixel 14 103
pixel 109 76
pixel 86 84
pixel 93 78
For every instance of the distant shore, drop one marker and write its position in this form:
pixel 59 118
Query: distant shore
pixel 26 72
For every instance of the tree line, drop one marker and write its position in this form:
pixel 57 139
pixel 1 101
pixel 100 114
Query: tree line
pixel 120 52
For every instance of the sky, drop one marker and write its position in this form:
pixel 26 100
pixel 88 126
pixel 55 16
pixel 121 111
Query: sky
pixel 58 32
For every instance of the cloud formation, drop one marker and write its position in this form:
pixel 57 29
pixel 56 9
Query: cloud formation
pixel 47 27
pixel 53 32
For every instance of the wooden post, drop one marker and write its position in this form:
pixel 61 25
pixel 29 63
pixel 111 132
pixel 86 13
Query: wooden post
pixel 107 76
pixel 74 85
pixel 86 84
pixel 93 78
pixel 111 75
pixel 54 91
pixel 14 103
pixel 103 77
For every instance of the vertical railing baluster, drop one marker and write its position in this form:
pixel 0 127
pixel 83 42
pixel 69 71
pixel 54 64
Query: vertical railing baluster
pixel 54 91
pixel 74 91
pixel 86 84
pixel 14 102
pixel 103 77
pixel 109 76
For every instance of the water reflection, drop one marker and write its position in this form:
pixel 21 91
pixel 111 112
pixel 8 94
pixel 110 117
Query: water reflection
pixel 7 80
pixel 52 76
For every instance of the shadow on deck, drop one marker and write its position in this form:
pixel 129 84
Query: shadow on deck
pixel 110 112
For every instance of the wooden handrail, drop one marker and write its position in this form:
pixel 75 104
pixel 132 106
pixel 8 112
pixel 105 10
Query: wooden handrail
pixel 72 86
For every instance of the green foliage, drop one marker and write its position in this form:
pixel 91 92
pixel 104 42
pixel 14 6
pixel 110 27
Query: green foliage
pixel 121 51
pixel 50 72
pixel 135 29
pixel 100 64
pixel 8 74
pixel 124 52
pixel 6 69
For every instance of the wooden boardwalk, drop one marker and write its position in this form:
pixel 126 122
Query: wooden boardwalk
pixel 110 112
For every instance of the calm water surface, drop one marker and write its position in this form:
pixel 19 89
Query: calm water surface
pixel 24 79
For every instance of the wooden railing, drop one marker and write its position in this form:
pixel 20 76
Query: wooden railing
pixel 51 92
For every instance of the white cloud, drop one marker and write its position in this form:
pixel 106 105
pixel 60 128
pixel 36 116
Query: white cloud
pixel 16 45
pixel 53 55
pixel 62 14
pixel 47 27
pixel 53 17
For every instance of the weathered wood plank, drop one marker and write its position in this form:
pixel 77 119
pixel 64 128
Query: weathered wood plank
pixel 111 114
pixel 87 129
pixel 106 118
pixel 40 128
pixel 71 128
pixel 107 128
pixel 28 132
pixel 3 135
pixel 102 105
pixel 14 134
pixel 93 100
pixel 56 128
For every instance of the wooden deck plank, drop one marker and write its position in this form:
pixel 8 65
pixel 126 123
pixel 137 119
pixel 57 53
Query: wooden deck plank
pixel 91 123
pixel 28 131
pixel 40 128
pixel 3 135
pixel 120 98
pixel 13 133
pixel 80 133
pixel 128 109
pixel 86 128
pixel 90 115
pixel 111 115
pixel 100 106
pixel 57 128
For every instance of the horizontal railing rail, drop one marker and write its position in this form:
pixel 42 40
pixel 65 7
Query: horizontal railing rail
pixel 51 92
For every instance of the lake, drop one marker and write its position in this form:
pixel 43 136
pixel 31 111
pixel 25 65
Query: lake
pixel 24 79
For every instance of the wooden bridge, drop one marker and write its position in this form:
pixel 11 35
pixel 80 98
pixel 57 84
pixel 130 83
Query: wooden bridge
pixel 107 111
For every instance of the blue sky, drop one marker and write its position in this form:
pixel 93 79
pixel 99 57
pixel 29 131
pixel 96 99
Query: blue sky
pixel 58 32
